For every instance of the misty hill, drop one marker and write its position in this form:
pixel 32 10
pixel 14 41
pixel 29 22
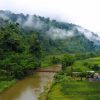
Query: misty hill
pixel 55 36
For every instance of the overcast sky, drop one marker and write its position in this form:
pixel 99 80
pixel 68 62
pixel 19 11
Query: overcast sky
pixel 81 12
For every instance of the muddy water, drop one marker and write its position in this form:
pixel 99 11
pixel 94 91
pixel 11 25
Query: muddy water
pixel 28 88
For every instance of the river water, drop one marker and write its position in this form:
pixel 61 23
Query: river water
pixel 29 88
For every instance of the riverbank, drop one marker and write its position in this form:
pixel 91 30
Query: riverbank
pixel 47 88
pixel 6 84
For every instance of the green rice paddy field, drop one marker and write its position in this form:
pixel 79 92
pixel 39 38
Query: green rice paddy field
pixel 79 65
pixel 77 90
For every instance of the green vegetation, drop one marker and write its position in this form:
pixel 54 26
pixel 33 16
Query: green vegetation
pixel 76 86
pixel 50 34
pixel 68 60
pixel 19 54
pixel 87 64
pixel 5 84
pixel 75 90
pixel 24 49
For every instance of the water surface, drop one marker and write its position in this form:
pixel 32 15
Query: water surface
pixel 28 88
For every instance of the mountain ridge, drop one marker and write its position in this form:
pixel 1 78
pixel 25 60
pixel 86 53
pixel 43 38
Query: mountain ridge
pixel 55 35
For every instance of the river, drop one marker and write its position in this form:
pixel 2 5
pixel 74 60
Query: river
pixel 30 87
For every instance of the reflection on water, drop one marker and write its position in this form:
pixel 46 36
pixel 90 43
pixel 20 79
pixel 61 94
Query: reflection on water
pixel 28 88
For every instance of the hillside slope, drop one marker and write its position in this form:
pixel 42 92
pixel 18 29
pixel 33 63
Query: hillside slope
pixel 55 36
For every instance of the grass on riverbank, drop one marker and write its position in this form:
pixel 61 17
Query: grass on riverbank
pixel 5 84
pixel 75 91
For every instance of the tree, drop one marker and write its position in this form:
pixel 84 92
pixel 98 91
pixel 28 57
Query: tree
pixel 68 60
pixel 9 40
pixel 95 67
pixel 55 60
pixel 35 49
pixel 82 74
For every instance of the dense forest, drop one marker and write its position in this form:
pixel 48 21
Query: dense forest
pixel 18 53
pixel 55 36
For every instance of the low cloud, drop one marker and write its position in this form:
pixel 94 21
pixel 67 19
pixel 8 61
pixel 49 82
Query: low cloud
pixel 3 16
pixel 56 33
pixel 88 34
pixel 33 22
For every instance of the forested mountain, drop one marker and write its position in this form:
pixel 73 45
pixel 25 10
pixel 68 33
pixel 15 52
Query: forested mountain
pixel 54 36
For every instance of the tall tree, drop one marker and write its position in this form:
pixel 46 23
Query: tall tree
pixel 68 60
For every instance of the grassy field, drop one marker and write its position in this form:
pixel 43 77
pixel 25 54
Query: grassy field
pixel 95 60
pixel 46 61
pixel 76 90
pixel 6 84
pixel 80 67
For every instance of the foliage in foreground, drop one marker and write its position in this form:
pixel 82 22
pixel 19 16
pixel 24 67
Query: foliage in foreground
pixel 19 54
pixel 68 89
pixel 6 84
pixel 73 88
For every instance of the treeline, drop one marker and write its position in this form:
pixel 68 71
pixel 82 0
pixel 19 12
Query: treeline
pixel 19 54
pixel 73 56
